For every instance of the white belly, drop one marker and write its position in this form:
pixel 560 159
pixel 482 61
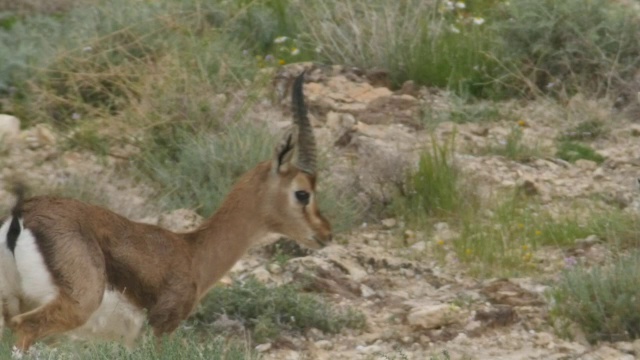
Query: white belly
pixel 35 280
pixel 9 280
pixel 116 319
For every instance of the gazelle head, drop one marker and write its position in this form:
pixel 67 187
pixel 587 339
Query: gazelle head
pixel 292 208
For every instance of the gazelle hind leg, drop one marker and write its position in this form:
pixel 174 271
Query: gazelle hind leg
pixel 60 315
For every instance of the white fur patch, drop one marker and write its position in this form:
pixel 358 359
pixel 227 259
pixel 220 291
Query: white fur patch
pixel 35 279
pixel 116 319
pixel 9 279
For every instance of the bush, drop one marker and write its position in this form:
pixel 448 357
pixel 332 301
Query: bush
pixel 435 188
pixel 602 300
pixel 572 151
pixel 513 147
pixel 413 40
pixel 120 57
pixel 199 170
pixel 564 47
pixel 268 311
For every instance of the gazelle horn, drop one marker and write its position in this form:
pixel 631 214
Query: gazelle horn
pixel 306 156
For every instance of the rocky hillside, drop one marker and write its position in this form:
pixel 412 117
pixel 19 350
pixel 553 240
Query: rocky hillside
pixel 417 303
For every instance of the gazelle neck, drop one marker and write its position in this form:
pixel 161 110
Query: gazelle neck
pixel 223 238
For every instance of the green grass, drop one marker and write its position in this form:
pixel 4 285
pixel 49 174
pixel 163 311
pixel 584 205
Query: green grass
pixel 504 242
pixel 584 131
pixel 602 301
pixel 182 345
pixel 197 171
pixel 513 148
pixel 572 151
pixel 268 311
pixel 434 189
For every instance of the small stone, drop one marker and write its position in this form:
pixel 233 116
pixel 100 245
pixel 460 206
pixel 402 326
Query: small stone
pixel 543 339
pixel 389 223
pixel 435 316
pixel 274 268
pixel 586 164
pixel 366 291
pixel 180 220
pixel 324 344
pixel 263 347
pixel 261 274
pixel 441 227
pixel 598 174
pixel 368 349
pixel 420 246
pixel 45 135
pixel 9 127
pixel 625 346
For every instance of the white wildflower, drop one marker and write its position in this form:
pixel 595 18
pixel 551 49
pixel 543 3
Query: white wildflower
pixel 450 5
pixel 295 51
pixel 455 30
pixel 460 5
pixel 478 20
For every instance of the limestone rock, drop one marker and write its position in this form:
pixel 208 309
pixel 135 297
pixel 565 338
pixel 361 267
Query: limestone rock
pixel 435 316
pixel 9 129
pixel 180 220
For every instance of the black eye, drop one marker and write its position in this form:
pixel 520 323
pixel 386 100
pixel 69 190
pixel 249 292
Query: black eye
pixel 303 196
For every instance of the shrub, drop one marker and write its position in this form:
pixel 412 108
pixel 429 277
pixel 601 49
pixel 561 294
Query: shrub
pixel 513 147
pixel 411 39
pixel 199 170
pixel 602 300
pixel 120 56
pixel 572 151
pixel 268 311
pixel 585 130
pixel 435 188
pixel 564 47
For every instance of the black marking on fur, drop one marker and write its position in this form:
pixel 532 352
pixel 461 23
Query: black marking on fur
pixel 15 228
pixel 13 233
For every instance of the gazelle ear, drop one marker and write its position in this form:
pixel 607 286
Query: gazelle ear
pixel 285 150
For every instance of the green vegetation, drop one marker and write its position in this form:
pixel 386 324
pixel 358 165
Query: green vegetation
pixel 586 130
pixel 510 233
pixel 602 300
pixel 199 170
pixel 183 345
pixel 435 189
pixel 174 81
pixel 268 311
pixel 513 147
pixel 429 43
pixel 572 151
pixel 564 47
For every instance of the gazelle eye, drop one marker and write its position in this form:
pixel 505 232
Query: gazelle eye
pixel 303 197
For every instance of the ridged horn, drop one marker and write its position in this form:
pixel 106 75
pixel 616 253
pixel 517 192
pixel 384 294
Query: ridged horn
pixel 306 156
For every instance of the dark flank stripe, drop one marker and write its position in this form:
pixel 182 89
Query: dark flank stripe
pixel 13 233
pixel 16 213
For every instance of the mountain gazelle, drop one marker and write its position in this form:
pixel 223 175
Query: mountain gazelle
pixel 67 267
